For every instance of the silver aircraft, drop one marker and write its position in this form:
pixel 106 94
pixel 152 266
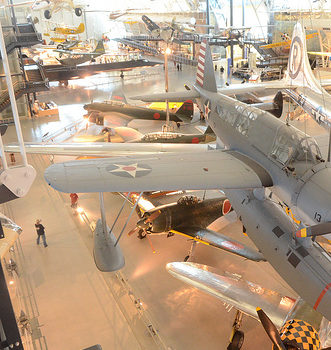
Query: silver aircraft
pixel 261 152
pixel 300 327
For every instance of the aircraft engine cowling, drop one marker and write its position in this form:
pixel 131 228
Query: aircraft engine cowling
pixel 156 222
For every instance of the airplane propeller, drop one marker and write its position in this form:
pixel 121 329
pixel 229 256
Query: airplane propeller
pixel 313 231
pixel 145 222
pixel 274 335
pixel 270 329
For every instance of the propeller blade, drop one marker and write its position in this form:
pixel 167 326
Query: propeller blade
pixel 134 230
pixel 271 329
pixel 313 231
pixel 153 216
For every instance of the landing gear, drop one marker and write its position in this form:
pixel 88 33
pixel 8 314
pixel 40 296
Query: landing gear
pixel 47 14
pixel 142 234
pixel 191 252
pixel 78 11
pixel 237 341
pixel 237 336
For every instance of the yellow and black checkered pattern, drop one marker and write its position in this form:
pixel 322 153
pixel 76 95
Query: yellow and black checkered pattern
pixel 302 332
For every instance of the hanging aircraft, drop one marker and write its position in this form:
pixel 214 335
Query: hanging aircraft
pixel 286 43
pixel 261 153
pixel 231 33
pixel 190 217
pixel 125 134
pixel 118 111
pixel 54 6
pixel 69 30
pixel 166 33
pixel 176 137
pixel 293 324
pixel 79 57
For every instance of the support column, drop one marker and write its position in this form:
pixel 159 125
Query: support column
pixel 231 25
pixel 9 333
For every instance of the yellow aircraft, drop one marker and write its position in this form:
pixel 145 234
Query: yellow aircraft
pixel 69 31
pixel 286 43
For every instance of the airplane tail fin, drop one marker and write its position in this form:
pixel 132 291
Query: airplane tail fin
pixel 99 48
pixel 299 72
pixel 149 23
pixel 205 72
pixel 118 95
pixel 80 28
pixel 186 109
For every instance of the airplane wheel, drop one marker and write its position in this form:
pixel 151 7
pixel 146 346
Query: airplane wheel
pixel 47 14
pixel 237 341
pixel 186 258
pixel 78 11
pixel 141 234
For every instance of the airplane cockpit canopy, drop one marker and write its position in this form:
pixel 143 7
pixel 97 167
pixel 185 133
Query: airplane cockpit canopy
pixel 160 136
pixel 292 146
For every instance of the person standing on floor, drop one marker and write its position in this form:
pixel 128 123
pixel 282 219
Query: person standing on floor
pixel 74 199
pixel 40 232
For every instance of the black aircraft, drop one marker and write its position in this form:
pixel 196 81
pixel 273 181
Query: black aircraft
pixel 190 217
pixel 118 111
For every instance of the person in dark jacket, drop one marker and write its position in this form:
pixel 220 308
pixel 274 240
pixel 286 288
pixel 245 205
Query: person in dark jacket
pixel 40 232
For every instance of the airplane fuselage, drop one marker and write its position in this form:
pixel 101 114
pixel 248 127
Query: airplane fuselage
pixel 184 214
pixel 291 158
pixel 134 112
pixel 300 178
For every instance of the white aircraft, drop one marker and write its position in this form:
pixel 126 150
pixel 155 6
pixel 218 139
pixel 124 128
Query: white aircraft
pixel 53 6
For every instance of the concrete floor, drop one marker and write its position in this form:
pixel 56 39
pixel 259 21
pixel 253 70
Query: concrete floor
pixel 80 306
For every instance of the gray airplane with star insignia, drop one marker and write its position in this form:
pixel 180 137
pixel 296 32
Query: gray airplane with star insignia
pixel 261 153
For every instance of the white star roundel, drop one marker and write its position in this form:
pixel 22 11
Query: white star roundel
pixel 130 170
pixel 207 109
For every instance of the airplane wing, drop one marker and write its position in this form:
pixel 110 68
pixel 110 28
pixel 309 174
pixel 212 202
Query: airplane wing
pixel 105 149
pixel 78 53
pixel 128 134
pixel 171 96
pixel 200 170
pixel 220 241
pixel 229 90
pixel 234 290
pixel 320 53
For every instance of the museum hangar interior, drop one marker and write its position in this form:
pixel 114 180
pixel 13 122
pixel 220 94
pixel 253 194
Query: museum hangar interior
pixel 164 174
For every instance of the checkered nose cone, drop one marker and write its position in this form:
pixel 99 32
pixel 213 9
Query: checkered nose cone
pixel 302 332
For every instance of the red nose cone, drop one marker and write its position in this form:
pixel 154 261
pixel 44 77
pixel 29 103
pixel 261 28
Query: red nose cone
pixel 226 207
